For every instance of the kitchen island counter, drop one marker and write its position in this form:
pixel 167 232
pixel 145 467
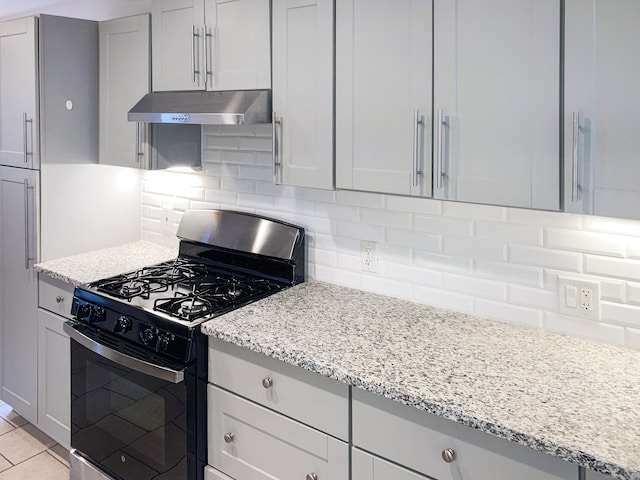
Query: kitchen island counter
pixel 567 397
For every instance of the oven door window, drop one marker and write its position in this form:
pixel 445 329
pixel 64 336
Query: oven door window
pixel 130 424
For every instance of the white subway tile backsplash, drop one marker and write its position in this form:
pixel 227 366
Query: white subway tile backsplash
pixel 612 267
pixel 443 263
pixel 620 314
pixel 475 248
pixel 509 232
pixel 424 206
pixel 587 242
pixel 579 327
pixel 443 226
pixel 508 272
pixel 541 257
pixel 497 262
pixel 476 287
pixel 384 218
pixel 443 299
pixel 360 199
pixel 413 239
pixel 529 317
pixel 371 233
pixel 475 212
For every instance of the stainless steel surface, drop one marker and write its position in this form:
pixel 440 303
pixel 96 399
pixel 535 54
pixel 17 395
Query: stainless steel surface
pixel 267 382
pixel 59 299
pixel 240 107
pixel 163 373
pixel 24 135
pixel 415 171
pixel 440 162
pixel 80 469
pixel 228 437
pixel 275 144
pixel 207 41
pixel 138 152
pixel 194 68
pixel 311 476
pixel 574 156
pixel 26 224
pixel 239 231
pixel 448 455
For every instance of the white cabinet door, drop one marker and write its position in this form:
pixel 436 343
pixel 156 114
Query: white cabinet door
pixel 383 95
pixel 249 442
pixel 303 92
pixel 124 78
pixel 178 48
pixel 237 52
pixel 602 107
pixel 365 466
pixel 18 87
pixel 496 102
pixel 54 378
pixel 591 475
pixel 19 289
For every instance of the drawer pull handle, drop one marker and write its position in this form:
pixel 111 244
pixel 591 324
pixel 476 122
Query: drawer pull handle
pixel 448 455
pixel 267 382
pixel 59 299
pixel 311 476
pixel 228 437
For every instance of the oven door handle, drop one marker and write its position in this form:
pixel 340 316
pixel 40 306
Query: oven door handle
pixel 157 371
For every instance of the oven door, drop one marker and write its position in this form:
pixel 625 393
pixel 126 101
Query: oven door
pixel 131 419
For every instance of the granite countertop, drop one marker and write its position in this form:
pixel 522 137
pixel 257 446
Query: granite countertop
pixel 94 265
pixel 571 398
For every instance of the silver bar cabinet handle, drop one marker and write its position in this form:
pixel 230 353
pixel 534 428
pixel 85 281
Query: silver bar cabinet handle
pixel 26 225
pixel 440 163
pixel 415 171
pixel 194 66
pixel 275 144
pixel 137 152
pixel 574 156
pixel 207 53
pixel 24 135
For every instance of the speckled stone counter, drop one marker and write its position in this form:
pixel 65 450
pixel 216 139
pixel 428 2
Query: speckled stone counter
pixel 570 398
pixel 90 266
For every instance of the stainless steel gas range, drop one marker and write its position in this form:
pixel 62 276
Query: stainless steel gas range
pixel 139 360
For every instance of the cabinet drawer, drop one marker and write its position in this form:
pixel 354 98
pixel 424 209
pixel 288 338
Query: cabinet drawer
pixel 250 442
pixel 55 295
pixel 213 474
pixel 365 466
pixel 417 440
pixel 315 400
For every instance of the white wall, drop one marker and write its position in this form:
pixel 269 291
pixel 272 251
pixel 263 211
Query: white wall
pixel 501 263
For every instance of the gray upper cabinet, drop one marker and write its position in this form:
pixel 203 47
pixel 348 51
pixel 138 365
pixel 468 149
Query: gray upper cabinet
pixel 18 93
pixel 124 78
pixel 211 44
pixel 602 107
pixel 496 102
pixel 303 92
pixel 383 96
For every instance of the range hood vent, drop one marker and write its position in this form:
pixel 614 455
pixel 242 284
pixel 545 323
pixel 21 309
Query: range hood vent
pixel 241 107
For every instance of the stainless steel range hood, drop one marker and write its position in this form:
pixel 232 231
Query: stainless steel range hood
pixel 241 107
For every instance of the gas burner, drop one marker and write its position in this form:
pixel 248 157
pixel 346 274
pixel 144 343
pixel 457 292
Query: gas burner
pixel 193 307
pixel 133 288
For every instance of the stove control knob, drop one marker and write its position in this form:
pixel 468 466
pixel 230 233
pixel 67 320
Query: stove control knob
pixel 148 336
pixel 97 314
pixel 123 325
pixel 83 312
pixel 163 342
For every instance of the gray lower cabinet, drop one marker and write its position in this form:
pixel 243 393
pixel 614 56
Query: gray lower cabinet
pixel 442 449
pixel 591 475
pixel 273 420
pixel 54 363
pixel 365 466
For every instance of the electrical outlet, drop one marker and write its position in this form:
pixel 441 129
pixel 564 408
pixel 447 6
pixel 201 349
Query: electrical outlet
pixel 368 257
pixel 168 217
pixel 579 298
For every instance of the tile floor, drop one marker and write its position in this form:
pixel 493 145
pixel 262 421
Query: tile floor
pixel 26 452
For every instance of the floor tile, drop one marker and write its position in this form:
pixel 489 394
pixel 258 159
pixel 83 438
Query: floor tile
pixel 23 443
pixel 4 464
pixel 9 414
pixel 60 453
pixel 5 426
pixel 42 467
